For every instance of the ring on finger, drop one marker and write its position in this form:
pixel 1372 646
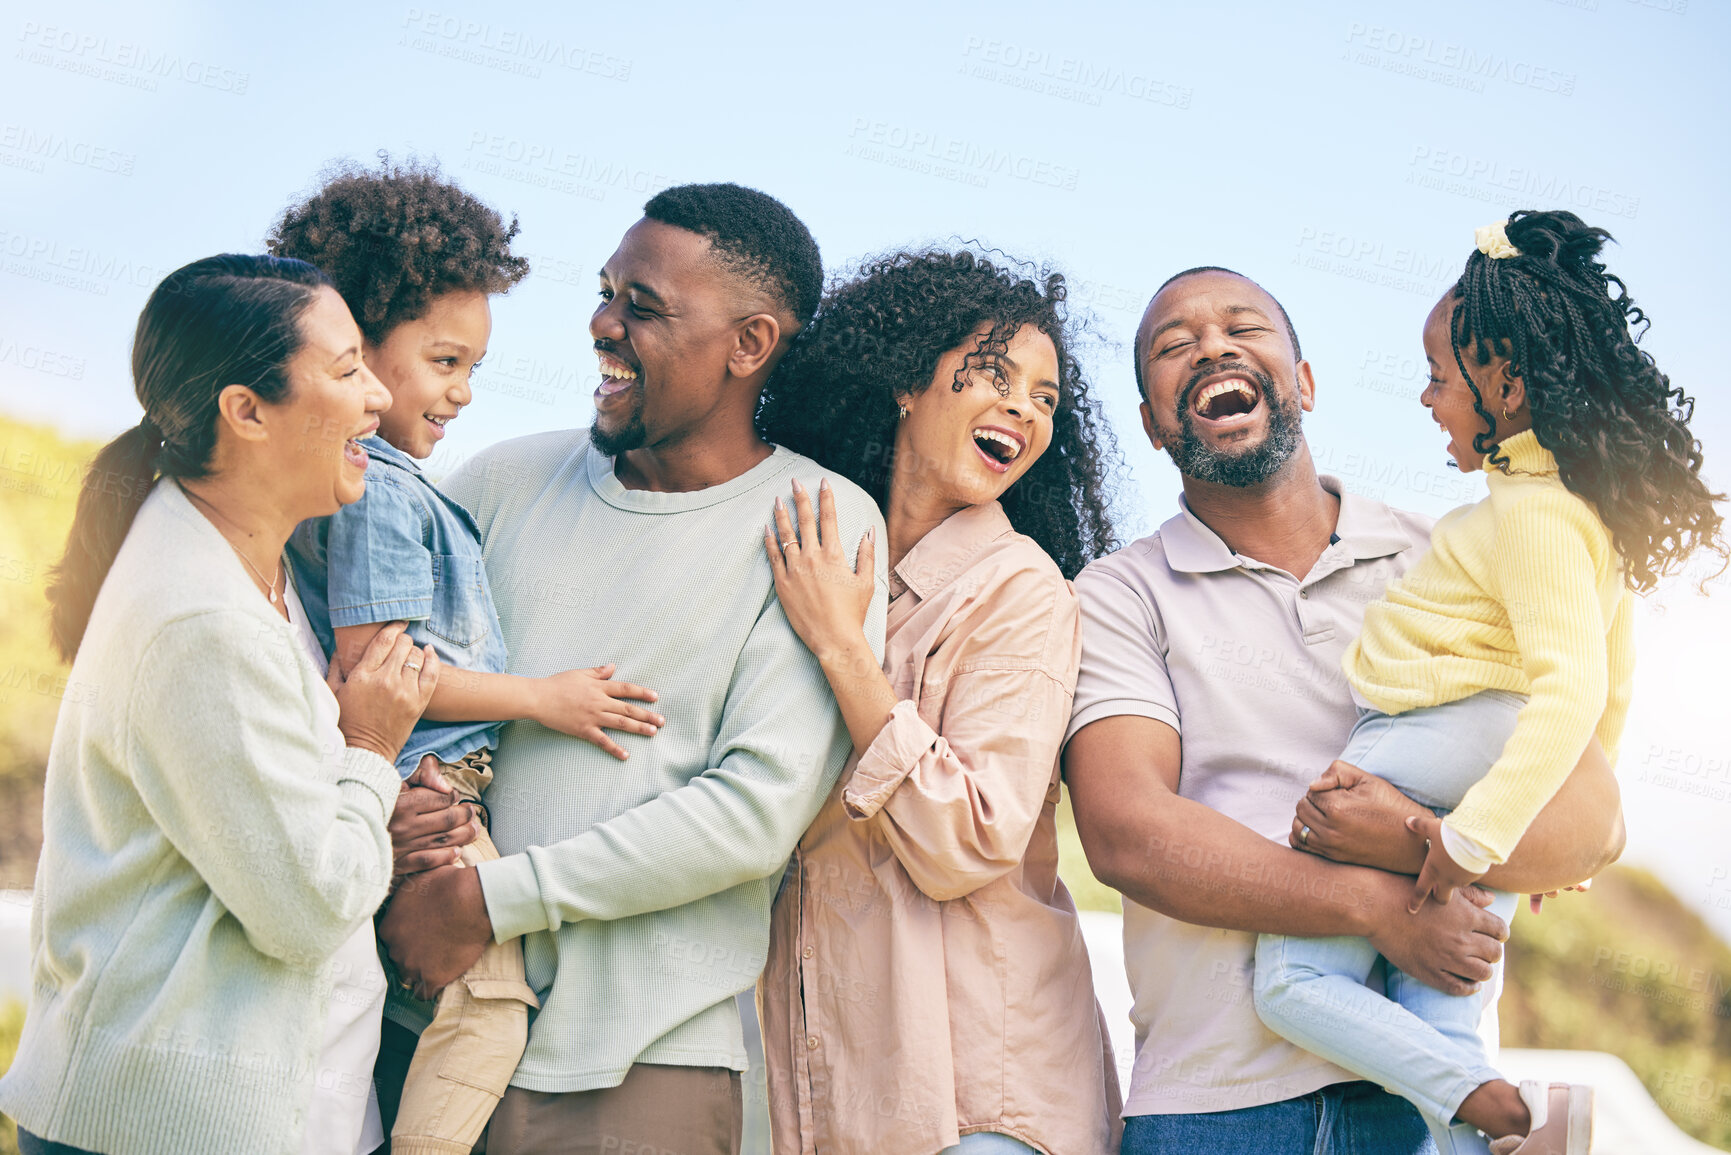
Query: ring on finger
pixel 414 666
pixel 1303 834
pixel 792 543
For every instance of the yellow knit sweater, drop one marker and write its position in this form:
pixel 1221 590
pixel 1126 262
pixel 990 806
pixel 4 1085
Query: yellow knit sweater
pixel 1522 592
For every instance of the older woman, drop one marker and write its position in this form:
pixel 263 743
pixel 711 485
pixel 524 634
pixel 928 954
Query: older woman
pixel 927 987
pixel 215 819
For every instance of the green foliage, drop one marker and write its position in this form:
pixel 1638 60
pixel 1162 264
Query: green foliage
pixel 1628 969
pixel 40 477
pixel 11 1025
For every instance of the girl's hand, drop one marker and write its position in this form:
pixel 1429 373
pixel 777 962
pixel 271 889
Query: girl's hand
pixel 584 704
pixel 1441 875
pixel 824 597
pixel 1536 902
pixel 385 691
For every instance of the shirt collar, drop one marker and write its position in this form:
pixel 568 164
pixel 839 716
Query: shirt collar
pixel 381 450
pixel 1366 529
pixel 943 554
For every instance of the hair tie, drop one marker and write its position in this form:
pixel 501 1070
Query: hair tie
pixel 1493 241
pixel 151 430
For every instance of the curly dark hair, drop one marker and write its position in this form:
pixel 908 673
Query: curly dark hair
pixel 880 336
pixel 394 237
pixel 1619 431
pixel 752 235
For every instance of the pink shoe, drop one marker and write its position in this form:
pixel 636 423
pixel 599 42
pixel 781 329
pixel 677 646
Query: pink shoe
pixel 1562 1121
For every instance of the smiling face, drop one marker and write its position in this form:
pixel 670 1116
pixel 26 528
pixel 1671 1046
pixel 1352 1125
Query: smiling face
pixel 316 462
pixel 426 364
pixel 668 335
pixel 1450 398
pixel 1224 388
pixel 967 447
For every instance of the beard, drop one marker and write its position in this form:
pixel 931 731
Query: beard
pixel 1195 458
pixel 631 434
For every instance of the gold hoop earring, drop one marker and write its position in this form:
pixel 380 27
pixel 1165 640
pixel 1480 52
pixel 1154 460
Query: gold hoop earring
pixel 1507 416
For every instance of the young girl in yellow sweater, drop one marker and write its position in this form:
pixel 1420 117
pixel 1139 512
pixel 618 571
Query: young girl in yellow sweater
pixel 1483 674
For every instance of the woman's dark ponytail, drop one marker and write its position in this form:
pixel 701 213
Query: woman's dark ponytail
pixel 225 320
pixel 114 488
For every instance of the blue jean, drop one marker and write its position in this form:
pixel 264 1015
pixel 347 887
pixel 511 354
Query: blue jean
pixel 987 1143
pixel 1345 1119
pixel 1416 1041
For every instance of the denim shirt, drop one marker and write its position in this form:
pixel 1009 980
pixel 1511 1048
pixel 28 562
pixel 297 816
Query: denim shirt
pixel 405 552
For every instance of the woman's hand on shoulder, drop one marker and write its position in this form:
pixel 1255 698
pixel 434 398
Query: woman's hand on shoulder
pixel 825 598
pixel 385 691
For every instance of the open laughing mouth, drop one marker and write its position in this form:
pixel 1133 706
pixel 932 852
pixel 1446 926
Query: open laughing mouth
pixel 998 447
pixel 616 377
pixel 353 451
pixel 1226 401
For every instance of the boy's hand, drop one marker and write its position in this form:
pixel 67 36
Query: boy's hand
pixel 1441 875
pixel 585 704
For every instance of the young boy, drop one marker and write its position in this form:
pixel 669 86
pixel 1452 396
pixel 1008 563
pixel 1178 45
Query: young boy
pixel 416 258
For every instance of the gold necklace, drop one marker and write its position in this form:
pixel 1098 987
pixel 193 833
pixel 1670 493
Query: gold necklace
pixel 270 585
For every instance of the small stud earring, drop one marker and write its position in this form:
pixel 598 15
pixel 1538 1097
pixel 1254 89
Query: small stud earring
pixel 901 412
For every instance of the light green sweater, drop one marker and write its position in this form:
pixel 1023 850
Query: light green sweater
pixel 644 887
pixel 203 856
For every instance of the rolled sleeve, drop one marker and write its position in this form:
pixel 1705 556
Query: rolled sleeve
pixel 958 808
pixel 379 566
pixel 890 758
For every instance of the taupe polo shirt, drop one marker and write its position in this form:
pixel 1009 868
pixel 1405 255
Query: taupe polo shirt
pixel 1244 661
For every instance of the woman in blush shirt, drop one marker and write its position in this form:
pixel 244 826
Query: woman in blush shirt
pixel 927 988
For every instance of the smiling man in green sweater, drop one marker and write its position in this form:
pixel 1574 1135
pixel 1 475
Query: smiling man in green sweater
pixel 643 889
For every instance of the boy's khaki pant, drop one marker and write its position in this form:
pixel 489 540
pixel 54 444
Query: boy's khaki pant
pixel 467 1056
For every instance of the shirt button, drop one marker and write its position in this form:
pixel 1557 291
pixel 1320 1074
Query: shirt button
pixel 811 1042
pixel 807 952
pixel 1304 594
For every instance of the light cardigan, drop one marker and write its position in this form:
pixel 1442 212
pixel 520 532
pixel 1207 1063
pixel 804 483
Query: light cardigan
pixel 203 858
pixel 1522 592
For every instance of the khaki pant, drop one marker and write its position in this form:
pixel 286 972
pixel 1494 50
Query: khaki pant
pixel 657 1110
pixel 466 1057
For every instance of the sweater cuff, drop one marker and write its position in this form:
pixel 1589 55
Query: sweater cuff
pixel 889 759
pixel 513 896
pixel 1468 852
pixel 375 773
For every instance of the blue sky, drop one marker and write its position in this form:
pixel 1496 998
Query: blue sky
pixel 1342 153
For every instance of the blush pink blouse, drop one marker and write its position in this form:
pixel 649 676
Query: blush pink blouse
pixel 927 976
